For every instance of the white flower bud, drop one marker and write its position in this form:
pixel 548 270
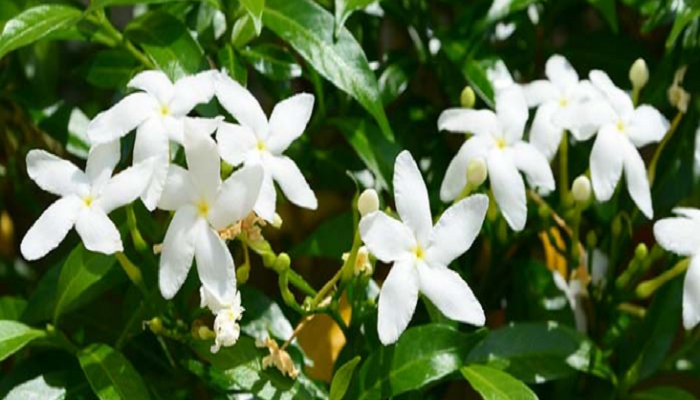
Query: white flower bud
pixel 277 221
pixel 368 202
pixel 477 172
pixel 639 74
pixel 581 189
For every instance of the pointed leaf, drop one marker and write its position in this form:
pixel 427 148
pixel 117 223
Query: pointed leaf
pixel 494 384
pixel 11 308
pixel 343 9
pixel 110 374
pixel 36 23
pixel 255 9
pixel 342 378
pixel 14 336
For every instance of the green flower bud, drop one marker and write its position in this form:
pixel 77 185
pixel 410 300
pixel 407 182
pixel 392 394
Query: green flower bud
pixel 467 98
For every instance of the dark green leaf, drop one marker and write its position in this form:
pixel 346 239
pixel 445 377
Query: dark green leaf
pixel 263 317
pixel 110 374
pixel 662 393
pixel 272 61
pixel 255 9
pixel 343 9
pixel 342 378
pixel 96 4
pixel 11 308
pixel 14 336
pixel 392 82
pixel 36 23
pixel 680 22
pixel 607 8
pixel 110 69
pixel 231 61
pixel 329 240
pixel 494 384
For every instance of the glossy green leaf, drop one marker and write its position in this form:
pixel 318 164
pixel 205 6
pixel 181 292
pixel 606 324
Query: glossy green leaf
pixel 477 78
pixel 422 355
pixel 111 375
pixel 255 9
pixel 243 32
pixel 341 379
pixel 36 23
pixel 308 28
pixel 662 393
pixel 343 9
pixel 272 61
pixel 263 317
pixel 14 336
pixel 96 4
pixel 494 384
pixel 230 60
pixel 110 69
pixel 11 308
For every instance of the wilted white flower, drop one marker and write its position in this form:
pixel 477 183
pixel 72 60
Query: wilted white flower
pixel 575 292
pixel 86 199
pixel 228 312
pixel 420 253
pixel 498 140
pixel 257 141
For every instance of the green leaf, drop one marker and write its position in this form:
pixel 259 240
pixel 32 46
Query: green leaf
pixel 609 11
pixel 97 4
pixel 255 9
pixel 14 336
pixel 662 393
pixel 680 22
pixel 343 9
pixel 479 81
pixel 110 69
pixel 80 272
pixel 422 355
pixel 11 308
pixel 231 61
pixel 392 82
pixel 330 240
pixel 110 374
pixel 539 352
pixel 308 28
pixel 263 317
pixel 494 384
pixel 272 61
pixel 342 378
pixel 36 23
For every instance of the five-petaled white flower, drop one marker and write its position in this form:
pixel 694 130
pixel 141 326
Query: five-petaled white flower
pixel 257 141
pixel 86 199
pixel 203 206
pixel 228 312
pixel 681 235
pixel 157 112
pixel 623 129
pixel 421 253
pixel 498 140
pixel 557 98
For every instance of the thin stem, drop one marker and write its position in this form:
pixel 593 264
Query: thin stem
pixel 132 271
pixel 323 293
pixel 298 329
pixel 564 168
pixel 122 41
pixel 662 145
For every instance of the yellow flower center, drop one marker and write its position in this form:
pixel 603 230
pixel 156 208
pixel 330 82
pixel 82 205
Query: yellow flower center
pixel 87 200
pixel 620 126
pixel 164 110
pixel 203 208
pixel 501 143
pixel 563 102
pixel 419 252
pixel 262 146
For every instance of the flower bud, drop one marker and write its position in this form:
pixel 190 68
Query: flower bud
pixel 477 172
pixel 155 325
pixel 368 202
pixel 581 189
pixel 467 98
pixel 641 252
pixel 639 74
pixel 277 221
pixel 591 239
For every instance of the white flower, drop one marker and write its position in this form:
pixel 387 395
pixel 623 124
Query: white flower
pixel 86 199
pixel 257 141
pixel 499 76
pixel 556 97
pixel 681 235
pixel 498 140
pixel 157 112
pixel 420 253
pixel 203 206
pixel 575 291
pixel 624 129
pixel 228 311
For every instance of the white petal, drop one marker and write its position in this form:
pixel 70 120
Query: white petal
pixel 606 162
pixel 560 72
pixel 456 230
pixel 98 232
pixel 508 189
pixel 235 142
pixel 241 104
pixel 51 228
pixel 266 204
pixel 450 294
pixel 236 197
pixel 174 128
pixel 647 125
pixel 202 160
pixel 101 161
pixel 178 250
pixel 539 92
pixel 397 301
pixel 533 164
pixel 584 119
pixel 214 262
pixel 152 143
pixel 545 134
pixel 512 112
pixel 192 90
pixel 385 237
pixel 679 235
pixel 459 120
pixel 636 177
pixel 411 197
pixel 288 121
pixel 291 181
pixel 620 101
pixel 179 189
pixel 122 118
pixel 155 83
pixel 691 295
pixel 456 174
pixel 692 213
pixel 56 175
pixel 125 187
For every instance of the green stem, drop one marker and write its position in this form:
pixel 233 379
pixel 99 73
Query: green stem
pixel 348 268
pixel 136 237
pixel 132 271
pixel 564 168
pixel 117 36
pixel 662 145
pixel 647 288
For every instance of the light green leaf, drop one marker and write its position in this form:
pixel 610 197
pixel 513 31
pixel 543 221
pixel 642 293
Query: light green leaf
pixel 272 61
pixel 662 393
pixel 97 4
pixel 110 374
pixel 11 308
pixel 263 317
pixel 342 378
pixel 255 9
pixel 343 9
pixel 14 336
pixel 36 23
pixel 493 384
pixel 475 73
pixel 680 22
pixel 308 28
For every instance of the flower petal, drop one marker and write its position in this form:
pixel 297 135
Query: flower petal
pixel 545 134
pixel 202 159
pixel 459 120
pixel 179 189
pixel 235 142
pixel 647 125
pixel 456 230
pixel 174 128
pixel 292 181
pixel 679 235
pixel 540 92
pixel 411 197
pixel 101 161
pixel 533 164
pixel 241 104
pixel 214 262
pixel 560 72
pixel 155 83
pixel 606 163
pixel 692 213
pixel 456 174
pixel 636 177
pixel 192 90
pixel 98 232
pixel 288 121
pixel 265 205
pixel 152 143
pixel 691 295
pixel 450 294
pixel 122 118
pixel 584 119
pixel 512 112
pixel 125 187
pixel 508 189
pixel 178 250
pixel 51 228
pixel 385 237
pixel 236 197
pixel 620 101
pixel 397 301
pixel 56 175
